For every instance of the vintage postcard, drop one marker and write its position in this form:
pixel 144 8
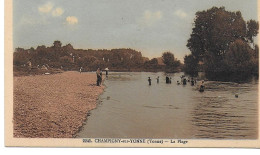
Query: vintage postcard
pixel 132 73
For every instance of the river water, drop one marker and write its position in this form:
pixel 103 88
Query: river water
pixel 130 108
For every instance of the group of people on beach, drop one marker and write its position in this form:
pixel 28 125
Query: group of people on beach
pixel 183 81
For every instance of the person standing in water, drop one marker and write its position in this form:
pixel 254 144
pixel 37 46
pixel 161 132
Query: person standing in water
pixel 150 81
pixel 106 70
pixel 98 77
pixel 192 81
pixel 157 79
pixel 167 79
pixel 100 81
pixel 184 81
pixel 202 87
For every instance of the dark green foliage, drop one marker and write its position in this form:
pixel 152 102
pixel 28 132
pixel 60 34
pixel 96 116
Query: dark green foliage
pixel 222 41
pixel 239 57
pixel 252 30
pixel 171 63
pixel 190 64
pixel 151 64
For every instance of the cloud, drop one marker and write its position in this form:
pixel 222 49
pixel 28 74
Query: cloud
pixel 180 13
pixel 71 20
pixel 46 8
pixel 150 17
pixel 57 12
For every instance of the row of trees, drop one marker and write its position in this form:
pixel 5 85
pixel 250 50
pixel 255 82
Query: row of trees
pixel 68 58
pixel 222 44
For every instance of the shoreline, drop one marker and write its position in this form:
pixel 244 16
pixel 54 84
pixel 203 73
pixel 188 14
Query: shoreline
pixel 53 106
pixel 98 101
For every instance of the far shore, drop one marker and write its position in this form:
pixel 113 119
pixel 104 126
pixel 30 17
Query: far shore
pixel 55 105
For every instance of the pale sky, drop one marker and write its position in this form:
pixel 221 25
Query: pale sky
pixel 149 26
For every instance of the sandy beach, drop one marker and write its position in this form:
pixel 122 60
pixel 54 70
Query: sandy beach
pixel 53 106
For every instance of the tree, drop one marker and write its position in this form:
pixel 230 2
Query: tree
pixel 20 57
pixel 252 30
pixel 239 57
pixel 151 64
pixel 170 62
pixel 256 54
pixel 66 61
pixel 154 61
pixel 57 44
pixel 255 60
pixel 168 58
pixel 212 35
pixel 214 30
pixel 191 64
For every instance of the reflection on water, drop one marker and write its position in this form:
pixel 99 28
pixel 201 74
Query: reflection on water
pixel 217 115
pixel 130 108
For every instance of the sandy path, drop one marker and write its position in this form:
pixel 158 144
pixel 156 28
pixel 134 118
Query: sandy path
pixel 53 105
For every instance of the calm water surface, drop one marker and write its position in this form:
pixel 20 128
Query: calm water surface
pixel 130 108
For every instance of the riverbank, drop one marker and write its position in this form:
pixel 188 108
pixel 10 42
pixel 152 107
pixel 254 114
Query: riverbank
pixel 26 71
pixel 53 106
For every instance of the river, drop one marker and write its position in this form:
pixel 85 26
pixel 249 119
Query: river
pixel 130 108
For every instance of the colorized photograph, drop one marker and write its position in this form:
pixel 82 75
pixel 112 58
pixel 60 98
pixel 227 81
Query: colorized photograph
pixel 165 70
